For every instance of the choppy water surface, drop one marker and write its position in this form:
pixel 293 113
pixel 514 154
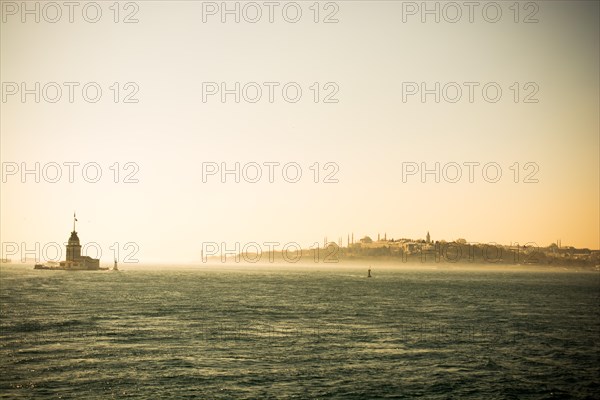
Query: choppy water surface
pixel 304 333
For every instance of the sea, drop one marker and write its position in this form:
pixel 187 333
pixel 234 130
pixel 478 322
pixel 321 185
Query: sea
pixel 302 332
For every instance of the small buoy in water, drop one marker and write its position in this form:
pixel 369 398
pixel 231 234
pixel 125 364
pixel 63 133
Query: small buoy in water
pixel 369 273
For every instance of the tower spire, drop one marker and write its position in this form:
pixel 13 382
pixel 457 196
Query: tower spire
pixel 74 220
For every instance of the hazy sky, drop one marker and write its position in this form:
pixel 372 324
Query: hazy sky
pixel 369 133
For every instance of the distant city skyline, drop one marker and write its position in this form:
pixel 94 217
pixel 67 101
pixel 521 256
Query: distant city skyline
pixel 38 252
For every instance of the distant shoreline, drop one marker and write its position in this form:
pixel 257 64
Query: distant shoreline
pixel 214 266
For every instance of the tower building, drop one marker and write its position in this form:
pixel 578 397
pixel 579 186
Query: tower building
pixel 74 259
pixel 73 247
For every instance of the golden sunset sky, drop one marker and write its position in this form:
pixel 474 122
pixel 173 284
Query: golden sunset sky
pixel 369 133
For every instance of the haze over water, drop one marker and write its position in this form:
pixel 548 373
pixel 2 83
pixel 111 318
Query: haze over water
pixel 304 332
pixel 377 133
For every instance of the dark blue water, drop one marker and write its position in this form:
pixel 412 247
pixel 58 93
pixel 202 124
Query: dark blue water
pixel 299 333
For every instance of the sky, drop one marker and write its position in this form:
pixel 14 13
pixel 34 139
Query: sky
pixel 367 131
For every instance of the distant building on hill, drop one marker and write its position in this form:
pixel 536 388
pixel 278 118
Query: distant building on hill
pixel 366 240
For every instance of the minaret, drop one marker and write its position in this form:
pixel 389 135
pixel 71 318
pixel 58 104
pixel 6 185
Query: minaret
pixel 428 238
